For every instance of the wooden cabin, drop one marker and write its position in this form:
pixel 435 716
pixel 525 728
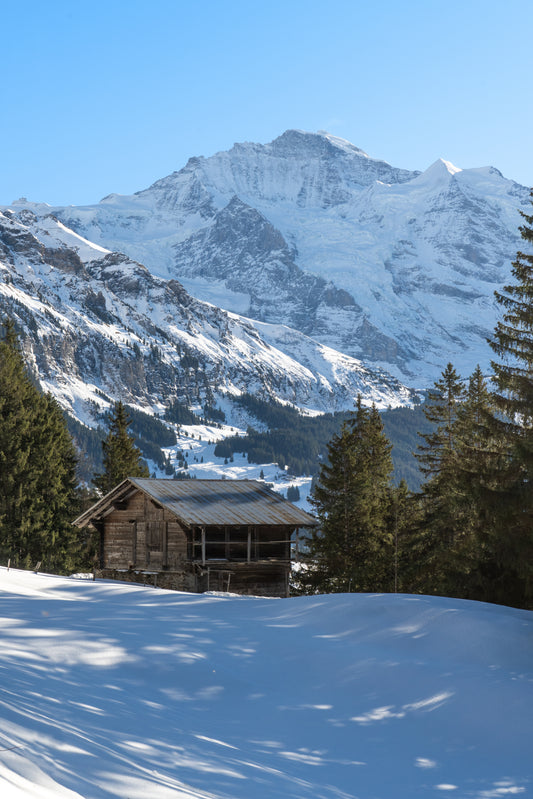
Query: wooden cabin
pixel 197 535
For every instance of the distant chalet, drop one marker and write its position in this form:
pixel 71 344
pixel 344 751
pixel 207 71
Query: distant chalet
pixel 197 535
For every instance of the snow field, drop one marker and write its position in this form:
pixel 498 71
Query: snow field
pixel 110 690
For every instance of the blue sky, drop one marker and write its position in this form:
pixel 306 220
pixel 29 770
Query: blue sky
pixel 101 97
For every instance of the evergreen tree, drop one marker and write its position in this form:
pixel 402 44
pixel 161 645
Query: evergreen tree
pixel 436 456
pixel 38 497
pixel 352 550
pixel 513 344
pixel 293 493
pixel 56 496
pixel 402 524
pixel 17 398
pixel 464 458
pixel 480 458
pixel 441 501
pixel 120 455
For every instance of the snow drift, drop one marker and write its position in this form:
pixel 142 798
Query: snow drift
pixel 112 690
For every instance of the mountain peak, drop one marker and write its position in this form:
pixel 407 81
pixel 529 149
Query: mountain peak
pixel 451 168
pixel 442 166
pixel 342 144
pixel 322 141
pixel 439 172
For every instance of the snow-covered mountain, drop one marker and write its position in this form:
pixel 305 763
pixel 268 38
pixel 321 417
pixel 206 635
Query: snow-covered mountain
pixel 394 267
pixel 99 326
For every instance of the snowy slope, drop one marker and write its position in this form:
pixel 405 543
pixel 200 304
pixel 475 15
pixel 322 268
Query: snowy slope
pixel 111 690
pixel 398 268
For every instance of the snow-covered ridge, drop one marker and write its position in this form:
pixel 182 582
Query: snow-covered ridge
pixel 99 326
pixel 395 267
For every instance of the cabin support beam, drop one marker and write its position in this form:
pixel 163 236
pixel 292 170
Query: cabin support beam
pixel 133 525
pixel 165 544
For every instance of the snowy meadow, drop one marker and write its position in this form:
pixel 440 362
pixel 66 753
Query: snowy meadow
pixel 114 690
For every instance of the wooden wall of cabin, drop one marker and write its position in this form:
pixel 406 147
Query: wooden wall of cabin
pixel 253 579
pixel 184 579
pixel 139 534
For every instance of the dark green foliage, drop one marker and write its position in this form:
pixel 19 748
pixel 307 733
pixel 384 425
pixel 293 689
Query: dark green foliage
pixel 452 516
pixel 465 462
pixel 293 493
pixel 151 452
pixel 475 528
pixel 403 427
pixel 121 458
pixel 38 497
pixel 353 547
pixel 513 344
pixel 179 413
pixel 273 413
pixel 437 455
pixel 189 362
pixel 293 440
pixel 88 444
pixel 149 428
pixel 403 527
pixel 441 505
pixel 55 496
pixel 150 435
pixel 214 414
pixel 300 442
pixel 481 464
pixel 297 448
pixel 438 462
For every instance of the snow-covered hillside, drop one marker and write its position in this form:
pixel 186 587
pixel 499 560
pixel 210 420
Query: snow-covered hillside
pixel 110 690
pixel 395 267
pixel 100 327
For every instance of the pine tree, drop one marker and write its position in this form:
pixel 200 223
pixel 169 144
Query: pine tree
pixel 404 509
pixel 293 493
pixel 353 549
pixel 17 397
pixel 121 457
pixel 479 460
pixel 465 459
pixel 442 506
pixel 55 490
pixel 437 455
pixel 38 496
pixel 513 344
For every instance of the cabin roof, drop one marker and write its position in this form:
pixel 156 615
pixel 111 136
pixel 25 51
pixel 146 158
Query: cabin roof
pixel 207 502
